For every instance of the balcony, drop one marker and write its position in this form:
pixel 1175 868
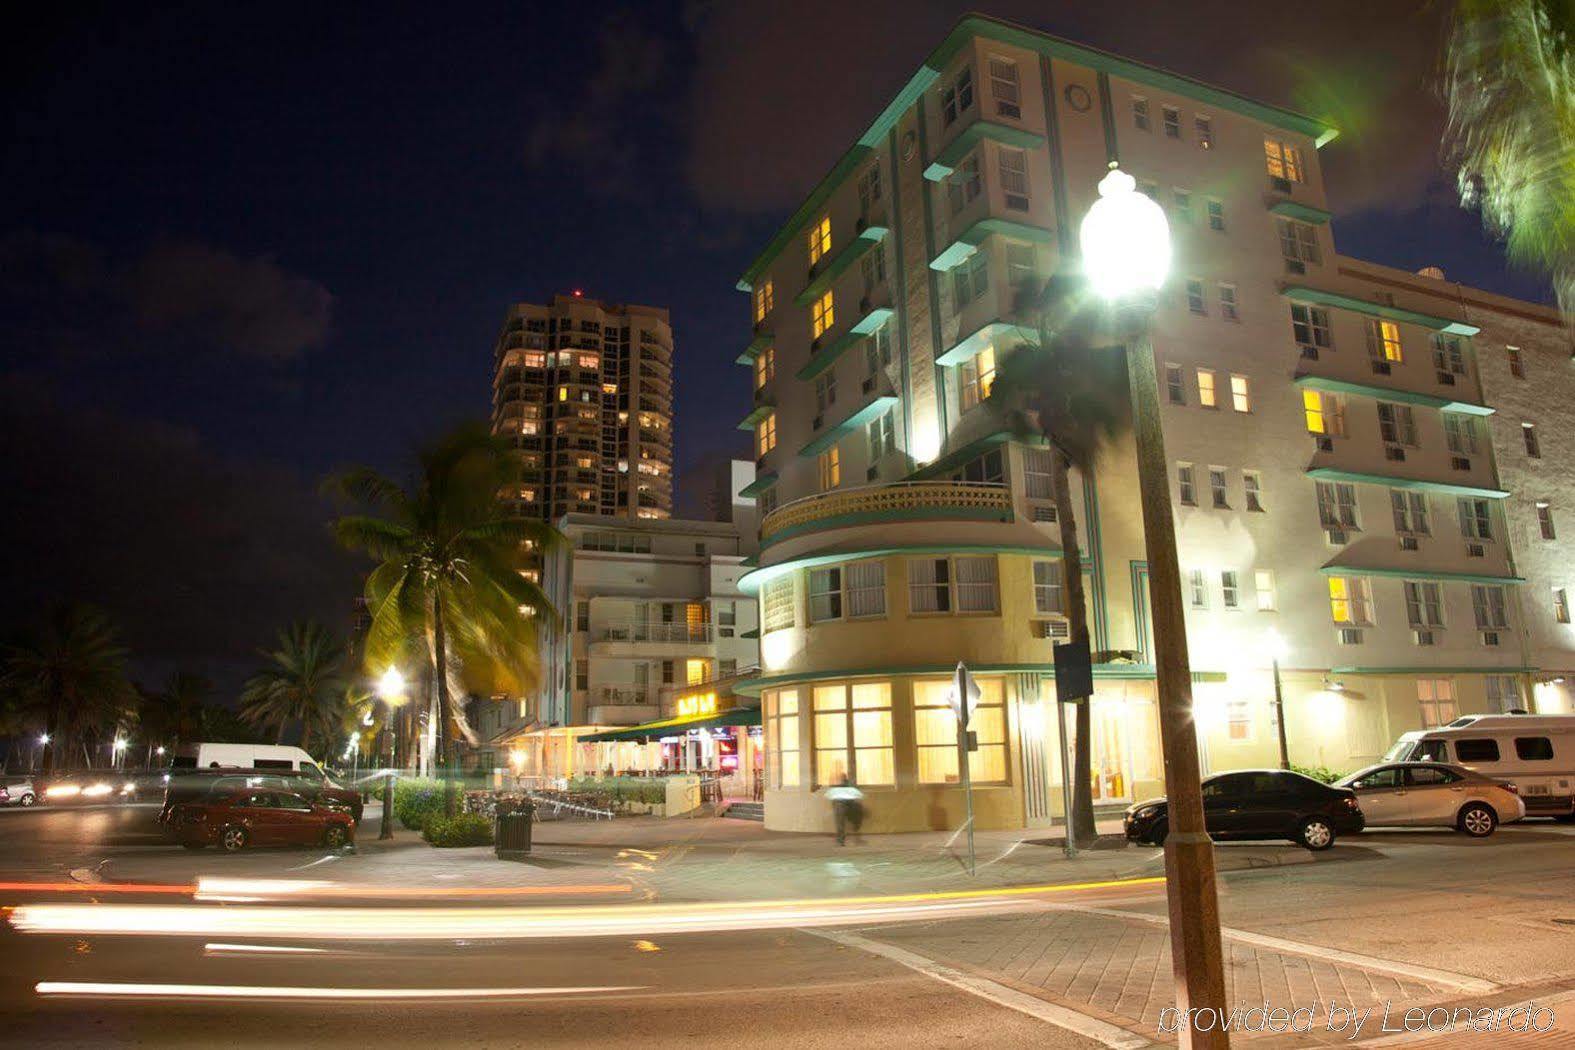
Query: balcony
pixel 908 501
pixel 642 639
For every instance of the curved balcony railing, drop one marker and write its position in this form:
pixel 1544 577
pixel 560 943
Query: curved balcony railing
pixel 647 631
pixel 903 501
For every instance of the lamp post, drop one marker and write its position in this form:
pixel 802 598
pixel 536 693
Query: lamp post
pixel 117 753
pixel 1277 651
pixel 43 742
pixel 1126 252
pixel 391 690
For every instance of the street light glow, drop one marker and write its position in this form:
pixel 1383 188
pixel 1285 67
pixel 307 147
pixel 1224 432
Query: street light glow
pixel 43 738
pixel 391 687
pixel 1125 240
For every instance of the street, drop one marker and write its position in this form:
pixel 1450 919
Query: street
pixel 1406 918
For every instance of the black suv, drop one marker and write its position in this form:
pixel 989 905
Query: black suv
pixel 1259 804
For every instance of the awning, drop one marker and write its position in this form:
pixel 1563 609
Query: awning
pixel 737 716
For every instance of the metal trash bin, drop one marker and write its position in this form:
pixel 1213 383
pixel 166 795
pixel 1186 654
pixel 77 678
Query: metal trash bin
pixel 511 831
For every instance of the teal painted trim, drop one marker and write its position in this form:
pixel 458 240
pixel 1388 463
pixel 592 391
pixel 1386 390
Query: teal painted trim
pixel 840 521
pixel 901 271
pixel 751 582
pixel 1096 549
pixel 985 335
pixel 1414 484
pixel 754 633
pixel 752 420
pixel 1111 672
pixel 1304 212
pixel 1414 574
pixel 946 160
pixel 1432 670
pixel 1383 393
pixel 1053 148
pixel 1140 606
pixel 1107 116
pixel 970 239
pixel 1320 297
pixel 859 418
pixel 752 351
pixel 824 358
pixel 868 238
pixel 759 485
pixel 938 374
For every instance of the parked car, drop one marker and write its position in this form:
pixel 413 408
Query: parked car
pixel 17 791
pixel 1434 794
pixel 1258 804
pixel 234 819
pixel 1536 753
pixel 196 784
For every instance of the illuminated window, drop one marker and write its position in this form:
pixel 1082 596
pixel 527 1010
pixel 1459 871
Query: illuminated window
pixel 935 733
pixel 853 734
pixel 766 435
pixel 1383 340
pixel 777 602
pixel 563 393
pixel 1350 601
pixel 830 468
pixel 978 378
pixel 590 361
pixel 696 671
pixel 1324 413
pixel 1263 583
pixel 1203 128
pixel 1047 588
pixel 1436 699
pixel 782 737
pixel 585 462
pixel 765 299
pixel 822 316
pixel 819 240
pixel 1283 160
pixel 535 359
pixel 765 366
pixel 1206 396
pixel 1240 395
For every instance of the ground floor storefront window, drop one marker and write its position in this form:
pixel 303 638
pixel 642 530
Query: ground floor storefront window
pixel 852 734
pixel 935 732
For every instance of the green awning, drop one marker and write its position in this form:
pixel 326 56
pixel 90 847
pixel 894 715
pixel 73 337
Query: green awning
pixel 826 356
pixel 946 161
pixel 737 716
pixel 759 485
pixel 1297 210
pixel 1384 393
pixel 868 238
pixel 969 240
pixel 873 410
pixel 752 351
pixel 762 410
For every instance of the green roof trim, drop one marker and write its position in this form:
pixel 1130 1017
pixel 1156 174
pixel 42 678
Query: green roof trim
pixel 752 633
pixel 1383 393
pixel 752 581
pixel 1319 297
pixel 753 350
pixel 1117 672
pixel 1418 574
pixel 1415 484
pixel 759 485
pixel 1305 212
pixel 973 449
pixel 969 240
pixel 948 159
pixel 736 716
pixel 826 356
pixel 1428 670
pixel 835 433
pixel 752 420
pixel 868 238
pixel 985 335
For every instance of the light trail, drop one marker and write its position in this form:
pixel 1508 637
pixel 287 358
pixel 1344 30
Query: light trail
pixel 306 923
pixel 267 889
pixel 120 990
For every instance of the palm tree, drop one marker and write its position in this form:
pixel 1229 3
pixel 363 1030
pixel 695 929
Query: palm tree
pixel 173 714
pixel 1073 395
pixel 1509 78
pixel 72 674
pixel 451 574
pixel 304 682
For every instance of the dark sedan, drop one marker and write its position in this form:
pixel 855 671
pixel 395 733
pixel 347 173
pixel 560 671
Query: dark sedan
pixel 1259 804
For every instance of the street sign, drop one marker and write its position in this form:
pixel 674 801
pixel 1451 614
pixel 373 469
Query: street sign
pixel 1074 672
pixel 964 694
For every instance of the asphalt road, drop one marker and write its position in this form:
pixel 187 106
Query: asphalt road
pixel 1418 917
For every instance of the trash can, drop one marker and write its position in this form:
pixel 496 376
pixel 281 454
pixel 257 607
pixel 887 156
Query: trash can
pixel 511 831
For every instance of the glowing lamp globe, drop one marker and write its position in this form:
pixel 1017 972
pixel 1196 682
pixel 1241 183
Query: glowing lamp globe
pixel 1125 240
pixel 392 685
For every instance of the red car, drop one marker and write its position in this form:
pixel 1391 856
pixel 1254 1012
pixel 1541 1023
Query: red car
pixel 236 819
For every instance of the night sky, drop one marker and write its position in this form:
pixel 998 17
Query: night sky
pixel 243 244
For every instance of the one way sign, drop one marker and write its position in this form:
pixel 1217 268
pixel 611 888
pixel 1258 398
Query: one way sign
pixel 964 694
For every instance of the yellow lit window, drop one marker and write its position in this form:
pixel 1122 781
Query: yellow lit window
pixel 1240 398
pixel 1312 408
pixel 978 378
pixel 853 738
pixel 696 671
pixel 1283 160
pixel 1383 340
pixel 782 736
pixel 821 316
pixel 589 361
pixel 609 388
pixel 935 732
pixel 765 367
pixel 584 462
pixel 1206 396
pixel 819 240
pixel 1349 600
pixel 536 359
pixel 563 393
pixel 766 435
pixel 830 468
pixel 765 299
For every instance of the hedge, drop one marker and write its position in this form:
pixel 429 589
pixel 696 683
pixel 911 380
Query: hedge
pixel 650 790
pixel 416 800
pixel 1320 773
pixel 464 829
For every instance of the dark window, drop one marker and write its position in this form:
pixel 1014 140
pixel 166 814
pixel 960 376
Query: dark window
pixel 1267 784
pixel 1223 787
pixel 260 800
pixel 183 762
pixel 1380 778
pixel 293 802
pixel 1427 776
pixel 1533 749
pixel 271 763
pixel 1476 750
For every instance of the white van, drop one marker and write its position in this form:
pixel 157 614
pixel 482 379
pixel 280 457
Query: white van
pixel 1535 753
pixel 245 756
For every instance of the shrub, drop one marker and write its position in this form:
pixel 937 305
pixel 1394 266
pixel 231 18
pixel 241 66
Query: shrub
pixel 416 800
pixel 1320 773
pixel 464 829
pixel 615 790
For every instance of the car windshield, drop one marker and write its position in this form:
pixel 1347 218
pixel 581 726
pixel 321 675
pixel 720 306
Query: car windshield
pixel 1400 751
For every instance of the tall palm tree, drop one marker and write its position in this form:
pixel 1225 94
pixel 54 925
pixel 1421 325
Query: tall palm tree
pixel 1073 394
pixel 1509 79
pixel 303 682
pixel 173 714
pixel 450 585
pixel 72 674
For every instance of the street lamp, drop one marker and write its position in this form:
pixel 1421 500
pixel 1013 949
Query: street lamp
pixel 1126 254
pixel 391 690
pixel 1277 650
pixel 117 752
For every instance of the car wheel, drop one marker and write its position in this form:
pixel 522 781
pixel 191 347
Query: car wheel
pixel 1316 834
pixel 1478 820
pixel 1157 835
pixel 336 836
pixel 233 839
pixel 29 799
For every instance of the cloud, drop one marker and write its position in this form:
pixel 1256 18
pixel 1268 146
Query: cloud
pixel 779 91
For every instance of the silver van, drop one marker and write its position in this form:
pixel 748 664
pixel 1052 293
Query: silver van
pixel 1535 753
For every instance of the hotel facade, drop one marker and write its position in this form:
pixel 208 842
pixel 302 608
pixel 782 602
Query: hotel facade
pixel 1372 470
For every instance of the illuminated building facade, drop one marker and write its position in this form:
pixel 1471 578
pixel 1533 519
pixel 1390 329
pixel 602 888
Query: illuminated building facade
pixel 1343 479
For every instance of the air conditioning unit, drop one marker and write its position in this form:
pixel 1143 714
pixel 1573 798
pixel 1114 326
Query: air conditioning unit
pixel 866 304
pixel 817 422
pixel 1459 463
pixel 1422 637
pixel 861 224
pixel 1295 266
pixel 1016 202
pixel 1350 636
pixel 814 344
pixel 1382 368
pixel 1446 378
pixel 1009 109
pixel 1408 543
pixel 1475 550
pixel 1394 453
pixel 1044 512
pixel 1309 353
pixel 1326 444
pixel 1489 637
pixel 1279 185
pixel 1058 628
pixel 1338 536
pixel 872 473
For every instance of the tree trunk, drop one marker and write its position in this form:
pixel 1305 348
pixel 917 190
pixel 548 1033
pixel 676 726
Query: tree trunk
pixel 1080 823
pixel 440 669
pixel 278 737
pixel 52 748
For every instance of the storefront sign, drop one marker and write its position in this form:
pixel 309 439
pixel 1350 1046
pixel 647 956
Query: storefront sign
pixel 697 705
